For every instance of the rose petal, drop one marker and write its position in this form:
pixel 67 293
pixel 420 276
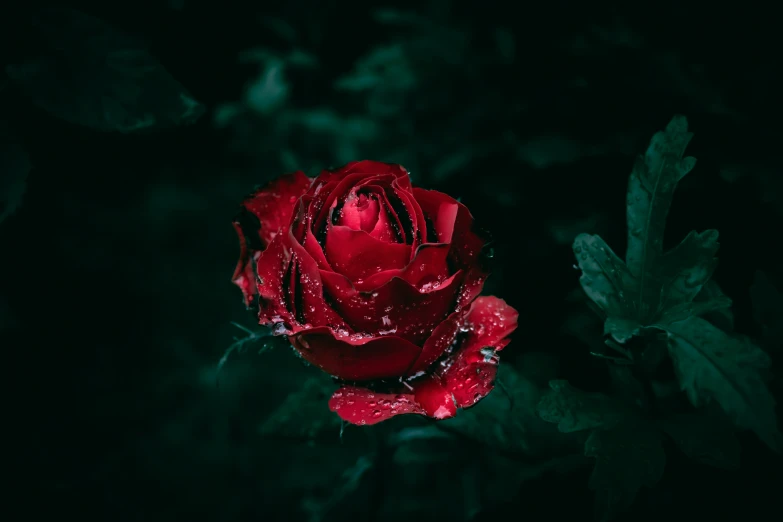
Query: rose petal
pixel 452 225
pixel 314 249
pixel 357 255
pixel 459 381
pixel 389 227
pixel 360 212
pixel 425 396
pixel 290 288
pixel 274 204
pixel 441 209
pixel 326 197
pixel 442 338
pixel 314 309
pixel 469 373
pixel 272 266
pixel 435 399
pixel 244 274
pixel 471 286
pixel 367 168
pixel 426 272
pixel 363 406
pixel 384 229
pixel 355 358
pixel 415 215
pixel 396 308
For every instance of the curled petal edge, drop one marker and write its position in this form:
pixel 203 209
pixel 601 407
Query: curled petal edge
pixel 459 380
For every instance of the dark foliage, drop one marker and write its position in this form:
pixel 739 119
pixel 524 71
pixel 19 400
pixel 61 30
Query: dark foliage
pixel 130 130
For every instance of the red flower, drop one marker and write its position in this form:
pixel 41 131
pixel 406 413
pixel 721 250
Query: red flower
pixel 375 282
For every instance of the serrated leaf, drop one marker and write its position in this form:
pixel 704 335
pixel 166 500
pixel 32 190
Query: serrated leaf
pixel 14 167
pixel 721 317
pixel 302 415
pixel 704 439
pixel 709 305
pixel 622 330
pixel 688 266
pixel 605 278
pixel 651 286
pixel 627 457
pixel 575 410
pixel 768 311
pixel 650 191
pixel 90 73
pixel 710 365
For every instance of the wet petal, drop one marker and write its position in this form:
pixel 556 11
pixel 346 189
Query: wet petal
pixel 354 357
pixel 471 286
pixel 274 204
pixel 271 267
pixel 363 406
pixel 441 209
pixel 384 227
pixel 357 255
pixel 428 270
pixel 244 274
pixel 360 212
pixel 435 399
pixel 469 372
pixel 396 308
pixel 452 224
pixel 441 340
pixel 309 291
pixel 327 198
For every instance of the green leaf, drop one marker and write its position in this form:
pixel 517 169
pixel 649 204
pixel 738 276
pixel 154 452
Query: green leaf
pixel 574 410
pixel 768 311
pixel 622 330
pixel 704 306
pixel 651 286
pixel 89 73
pixel 710 365
pixel 304 415
pixel 14 166
pixel 688 266
pixel 627 457
pixel 650 192
pixel 705 439
pixel 605 278
pixel 720 316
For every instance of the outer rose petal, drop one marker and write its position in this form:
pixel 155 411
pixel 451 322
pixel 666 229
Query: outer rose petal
pixel 452 224
pixel 244 274
pixel 396 308
pixel 460 380
pixel 274 204
pixel 353 357
pixel 469 373
pixel 264 213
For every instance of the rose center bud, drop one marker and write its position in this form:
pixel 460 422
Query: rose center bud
pixel 364 212
pixel 360 212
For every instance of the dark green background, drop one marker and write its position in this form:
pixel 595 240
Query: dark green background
pixel 115 288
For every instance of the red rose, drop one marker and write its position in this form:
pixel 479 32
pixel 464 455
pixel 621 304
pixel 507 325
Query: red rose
pixel 375 282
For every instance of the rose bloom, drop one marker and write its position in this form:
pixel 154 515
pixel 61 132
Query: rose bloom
pixel 376 283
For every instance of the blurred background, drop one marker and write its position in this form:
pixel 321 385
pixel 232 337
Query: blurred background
pixel 131 130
